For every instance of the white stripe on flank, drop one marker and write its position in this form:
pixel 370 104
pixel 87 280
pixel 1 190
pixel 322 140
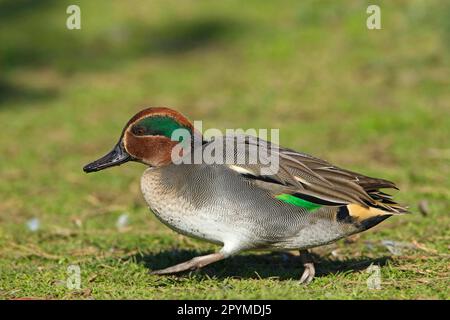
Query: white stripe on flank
pixel 241 170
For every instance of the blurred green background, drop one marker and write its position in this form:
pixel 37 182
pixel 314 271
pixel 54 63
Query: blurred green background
pixel 374 101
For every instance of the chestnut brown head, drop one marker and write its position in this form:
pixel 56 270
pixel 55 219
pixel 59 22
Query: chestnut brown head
pixel 146 138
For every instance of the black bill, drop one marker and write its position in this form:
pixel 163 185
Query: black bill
pixel 116 157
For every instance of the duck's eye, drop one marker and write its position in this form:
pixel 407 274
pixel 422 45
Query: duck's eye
pixel 138 130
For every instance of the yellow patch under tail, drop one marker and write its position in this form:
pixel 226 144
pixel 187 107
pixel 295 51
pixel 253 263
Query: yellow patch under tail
pixel 361 213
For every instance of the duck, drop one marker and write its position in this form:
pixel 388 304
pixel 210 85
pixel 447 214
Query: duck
pixel 301 203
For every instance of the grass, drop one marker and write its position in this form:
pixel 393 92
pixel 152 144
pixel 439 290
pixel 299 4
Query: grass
pixel 371 101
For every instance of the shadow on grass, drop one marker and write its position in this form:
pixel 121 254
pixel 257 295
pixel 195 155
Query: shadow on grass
pixel 10 9
pixel 68 52
pixel 184 36
pixel 10 94
pixel 280 265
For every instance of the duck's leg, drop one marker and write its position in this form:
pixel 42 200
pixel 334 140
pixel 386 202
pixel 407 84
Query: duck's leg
pixel 193 264
pixel 309 272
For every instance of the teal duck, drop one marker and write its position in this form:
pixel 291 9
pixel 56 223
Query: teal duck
pixel 305 203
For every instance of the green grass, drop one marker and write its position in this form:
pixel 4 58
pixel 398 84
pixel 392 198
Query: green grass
pixel 371 101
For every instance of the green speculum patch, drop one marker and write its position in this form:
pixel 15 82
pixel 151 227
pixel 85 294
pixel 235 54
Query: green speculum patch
pixel 158 126
pixel 288 198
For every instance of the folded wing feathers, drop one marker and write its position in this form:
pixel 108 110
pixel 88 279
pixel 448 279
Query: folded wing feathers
pixel 305 174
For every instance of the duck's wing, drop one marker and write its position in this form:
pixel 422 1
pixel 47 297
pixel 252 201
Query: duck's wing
pixel 305 177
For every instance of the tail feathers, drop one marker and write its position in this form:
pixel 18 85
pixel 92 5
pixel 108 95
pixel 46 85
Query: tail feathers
pixel 385 202
pixel 382 201
pixel 383 205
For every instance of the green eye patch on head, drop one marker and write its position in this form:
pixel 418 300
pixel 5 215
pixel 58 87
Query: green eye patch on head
pixel 157 126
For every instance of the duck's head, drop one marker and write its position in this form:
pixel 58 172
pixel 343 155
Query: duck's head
pixel 146 138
